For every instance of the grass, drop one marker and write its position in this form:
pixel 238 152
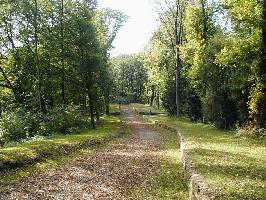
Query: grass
pixel 23 154
pixel 169 183
pixel 114 108
pixel 235 167
pixel 147 108
pixel 12 176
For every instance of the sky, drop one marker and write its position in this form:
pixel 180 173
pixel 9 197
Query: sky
pixel 136 33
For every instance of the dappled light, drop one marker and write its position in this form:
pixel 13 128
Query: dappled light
pixel 233 166
pixel 140 99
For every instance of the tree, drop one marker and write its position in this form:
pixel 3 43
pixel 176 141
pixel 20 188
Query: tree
pixel 130 77
pixel 54 53
pixel 108 23
pixel 172 18
pixel 258 94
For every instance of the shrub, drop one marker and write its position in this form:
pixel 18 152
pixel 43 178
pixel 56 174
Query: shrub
pixel 62 121
pixel 250 130
pixel 18 124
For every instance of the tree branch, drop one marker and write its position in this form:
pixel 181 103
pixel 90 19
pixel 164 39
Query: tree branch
pixel 9 84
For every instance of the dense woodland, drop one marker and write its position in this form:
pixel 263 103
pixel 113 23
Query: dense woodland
pixel 54 64
pixel 205 61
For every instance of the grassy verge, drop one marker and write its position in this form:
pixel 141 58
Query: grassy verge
pixel 146 108
pixel 235 167
pixel 20 155
pixel 114 108
pixel 169 182
pixel 107 129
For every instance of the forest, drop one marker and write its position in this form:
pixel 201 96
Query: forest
pixel 184 118
pixel 205 61
pixel 54 65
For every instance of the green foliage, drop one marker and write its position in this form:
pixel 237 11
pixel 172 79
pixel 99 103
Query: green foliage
pixel 159 63
pixel 168 98
pixel 54 54
pixel 17 125
pixel 233 166
pixel 62 121
pixel 30 152
pixel 250 131
pixel 129 77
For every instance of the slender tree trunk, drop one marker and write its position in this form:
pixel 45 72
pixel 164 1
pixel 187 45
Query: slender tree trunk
pixel 261 118
pixel 63 95
pixel 51 90
pixel 178 37
pixel 152 94
pixel 178 64
pixel 41 101
pixel 158 101
pixel 140 92
pixel 91 109
pixel 107 104
pixel 97 114
pixel 204 21
pixel 84 100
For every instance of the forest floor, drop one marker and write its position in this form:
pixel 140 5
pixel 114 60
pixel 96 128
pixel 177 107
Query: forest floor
pixel 143 166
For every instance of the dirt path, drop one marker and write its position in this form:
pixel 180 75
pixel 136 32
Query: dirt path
pixel 109 174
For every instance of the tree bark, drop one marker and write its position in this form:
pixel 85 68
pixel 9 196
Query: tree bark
pixel 91 109
pixel 261 118
pixel 178 32
pixel 63 95
pixel 107 105
pixel 152 95
pixel 97 114
pixel 204 22
pixel 158 101
pixel 41 101
pixel 178 64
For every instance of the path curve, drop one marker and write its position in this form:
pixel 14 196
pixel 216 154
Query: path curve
pixel 109 174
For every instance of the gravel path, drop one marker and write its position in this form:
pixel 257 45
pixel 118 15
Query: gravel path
pixel 110 174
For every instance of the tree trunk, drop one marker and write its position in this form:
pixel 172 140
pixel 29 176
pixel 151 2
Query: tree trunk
pixel 158 101
pixel 178 64
pixel 41 100
pixel 107 105
pixel 63 94
pixel 97 114
pixel 152 95
pixel 91 110
pixel 178 38
pixel 261 119
pixel 204 21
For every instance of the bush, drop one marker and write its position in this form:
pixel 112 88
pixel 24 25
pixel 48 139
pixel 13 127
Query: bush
pixel 18 124
pixel 62 121
pixel 250 130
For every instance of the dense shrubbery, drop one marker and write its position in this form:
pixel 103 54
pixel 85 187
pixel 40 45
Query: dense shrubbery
pixel 44 65
pixel 17 124
pixel 20 124
pixel 250 131
pixel 62 120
